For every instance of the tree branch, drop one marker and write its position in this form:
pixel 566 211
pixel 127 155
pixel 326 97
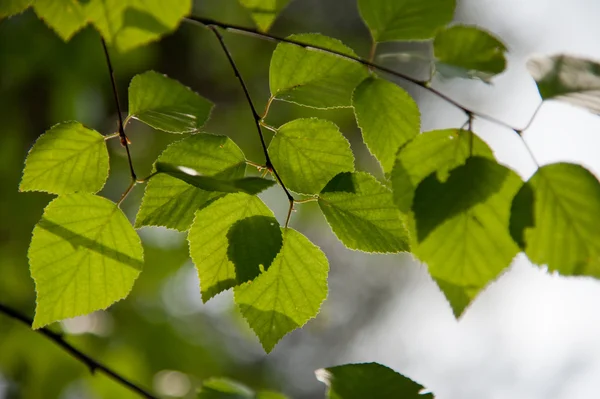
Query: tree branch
pixel 257 119
pixel 423 84
pixel 122 135
pixel 92 364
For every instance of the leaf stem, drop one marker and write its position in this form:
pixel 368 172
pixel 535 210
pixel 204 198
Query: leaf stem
pixel 257 118
pixel 91 364
pixel 127 191
pixel 122 135
pixel 267 108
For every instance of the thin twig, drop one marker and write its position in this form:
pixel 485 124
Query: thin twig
pixel 91 364
pixel 257 119
pixel 420 83
pixel 122 135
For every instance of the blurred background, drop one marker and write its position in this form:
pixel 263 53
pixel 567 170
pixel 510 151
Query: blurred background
pixel 530 335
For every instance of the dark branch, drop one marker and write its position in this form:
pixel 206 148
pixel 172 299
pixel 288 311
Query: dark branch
pixel 122 135
pixel 256 116
pixel 91 364
pixel 423 84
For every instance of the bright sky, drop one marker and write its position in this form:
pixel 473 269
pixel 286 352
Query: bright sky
pixel 531 334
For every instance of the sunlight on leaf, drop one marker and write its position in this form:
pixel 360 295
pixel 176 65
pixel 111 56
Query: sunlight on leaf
pixel 390 20
pixel 287 295
pixel 166 104
pixel 368 380
pixel 309 152
pixel 362 214
pixel 555 218
pixel 65 17
pixel 314 78
pixel 84 256
pixel 67 158
pixel 264 12
pixel 171 202
pixel 388 118
pixel 210 242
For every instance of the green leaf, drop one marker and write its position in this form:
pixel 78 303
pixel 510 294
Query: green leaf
pixel 368 380
pixel 171 202
pixel 468 51
pixel 436 151
pixel 213 244
pixel 362 214
pixel 555 218
pixel 249 185
pixel 572 80
pixel 390 20
pixel 65 17
pixel 264 12
pixel 132 23
pixel 459 298
pixel 462 224
pixel 311 77
pixel 84 256
pixel 13 7
pixel 224 388
pixel 287 295
pixel 166 104
pixel 387 116
pixel 307 153
pixel 67 158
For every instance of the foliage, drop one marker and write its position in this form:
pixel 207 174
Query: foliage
pixel 443 196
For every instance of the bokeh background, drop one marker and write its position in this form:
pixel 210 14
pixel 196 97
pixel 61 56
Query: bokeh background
pixel 530 335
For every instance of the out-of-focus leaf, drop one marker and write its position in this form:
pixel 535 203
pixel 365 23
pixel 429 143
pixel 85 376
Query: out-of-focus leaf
pixel 65 17
pixel 469 52
pixel 287 295
pixel 362 214
pixel 13 7
pixel 390 20
pixel 67 158
pixel 387 116
pixel 368 380
pixel 555 218
pixel 264 12
pixel 84 256
pixel 224 388
pixel 172 202
pixel 311 77
pixel 307 153
pixel 569 79
pixel 166 104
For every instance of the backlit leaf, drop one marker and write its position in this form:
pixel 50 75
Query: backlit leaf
pixel 362 214
pixel 287 295
pixel 572 80
pixel 67 158
pixel 311 77
pixel 462 224
pixel 84 256
pixel 264 12
pixel 307 153
pixel 13 7
pixel 555 218
pixel 171 202
pixel 390 20
pixel 248 185
pixel 468 51
pixel 437 151
pixel 131 23
pixel 210 242
pixel 387 116
pixel 65 17
pixel 368 380
pixel 166 104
